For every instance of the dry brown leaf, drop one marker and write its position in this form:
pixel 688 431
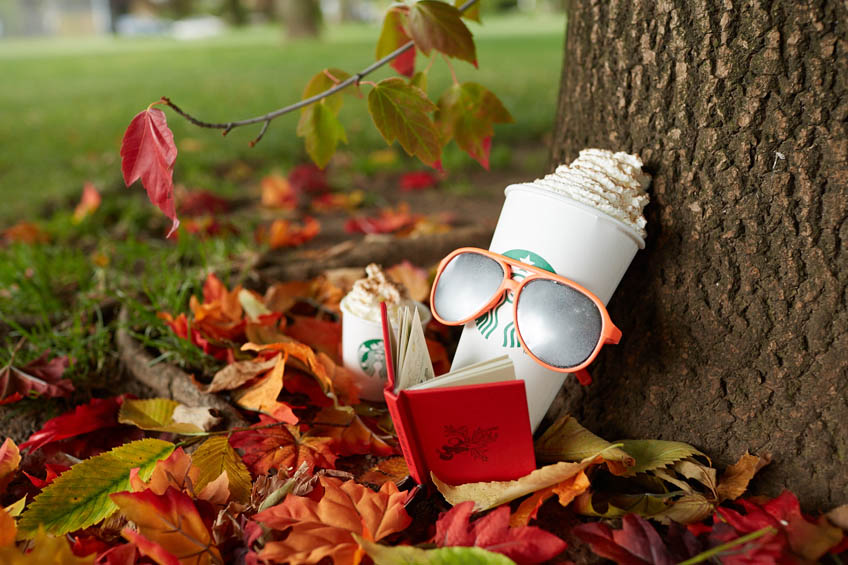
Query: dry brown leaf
pixel 236 374
pixel 691 469
pixel 490 494
pixel 200 416
pixel 262 395
pixel 839 516
pixel 734 481
pixel 393 469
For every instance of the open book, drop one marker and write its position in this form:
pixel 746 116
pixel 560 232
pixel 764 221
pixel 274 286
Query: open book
pixel 468 425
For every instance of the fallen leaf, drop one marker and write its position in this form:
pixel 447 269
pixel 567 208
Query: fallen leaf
pixel 46 550
pixel 839 516
pixel 413 278
pixel 307 177
pixel 80 496
pixel 636 543
pixel 150 548
pixel 25 232
pixel 277 192
pixel 284 233
pixel 51 471
pixel 8 529
pixel 155 414
pixel 200 416
pixel 301 356
pixel 89 202
pixel 490 494
pixel 39 377
pixel 124 554
pixel 390 555
pixel 691 469
pixel 566 491
pixel 16 507
pixel 261 396
pixel 350 433
pixel 236 374
pixel 325 527
pixel 282 447
pixel 170 520
pixel 523 544
pixel 567 440
pixel 98 414
pixel 10 458
pixel 216 456
pixel 202 203
pixel 148 153
pixel 734 481
pixel 173 471
pixel 387 220
pixel 393 469
pixel 655 453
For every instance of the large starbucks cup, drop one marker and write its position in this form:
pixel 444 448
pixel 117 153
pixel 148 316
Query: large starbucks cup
pixel 582 222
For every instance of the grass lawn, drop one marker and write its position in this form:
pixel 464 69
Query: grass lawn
pixel 67 102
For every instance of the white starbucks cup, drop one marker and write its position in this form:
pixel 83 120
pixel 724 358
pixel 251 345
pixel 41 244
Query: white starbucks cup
pixel 363 351
pixel 554 232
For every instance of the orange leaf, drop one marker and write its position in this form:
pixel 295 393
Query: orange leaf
pixel 393 469
pixel 413 278
pixel 323 527
pixel 344 381
pixel 175 471
pixel 8 529
pixel 287 234
pixel 301 356
pixel 277 192
pixel 321 335
pixel 262 395
pixel 282 447
pixel 170 520
pixel 567 491
pixel 10 458
pixel 25 232
pixel 89 202
pixel 351 434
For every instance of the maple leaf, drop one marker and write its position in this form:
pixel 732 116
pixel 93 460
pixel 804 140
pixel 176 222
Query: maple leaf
pixel 10 458
pixel 324 527
pixel 282 447
pixel 393 469
pixel 437 25
pixel 98 414
pixel 170 520
pixel 39 377
pixel 636 543
pixel 524 544
pixel 148 153
pixel 350 433
pixel 392 36
pixel 400 111
pixel 277 192
pixel 466 113
pixel 89 202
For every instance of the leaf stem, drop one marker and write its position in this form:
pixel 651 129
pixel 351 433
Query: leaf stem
pixel 267 118
pixel 704 556
pixel 452 70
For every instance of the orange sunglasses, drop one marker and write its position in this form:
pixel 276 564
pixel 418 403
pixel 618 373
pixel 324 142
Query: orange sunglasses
pixel 560 325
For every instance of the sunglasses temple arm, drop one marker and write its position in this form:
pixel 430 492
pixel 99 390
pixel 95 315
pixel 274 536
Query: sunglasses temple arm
pixel 583 377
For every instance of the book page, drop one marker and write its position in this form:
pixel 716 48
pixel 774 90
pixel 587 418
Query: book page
pixel 416 366
pixel 495 370
pixel 403 338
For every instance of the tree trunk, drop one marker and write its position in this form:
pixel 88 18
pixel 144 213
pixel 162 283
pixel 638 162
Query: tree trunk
pixel 734 317
pixel 302 18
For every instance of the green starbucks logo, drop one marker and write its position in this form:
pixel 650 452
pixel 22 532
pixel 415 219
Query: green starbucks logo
pixel 372 358
pixel 489 323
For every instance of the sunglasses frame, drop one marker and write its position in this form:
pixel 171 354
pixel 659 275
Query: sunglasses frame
pixel 610 334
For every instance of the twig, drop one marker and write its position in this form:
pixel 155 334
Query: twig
pixel 717 550
pixel 267 118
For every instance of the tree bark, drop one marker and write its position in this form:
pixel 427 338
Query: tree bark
pixel 735 316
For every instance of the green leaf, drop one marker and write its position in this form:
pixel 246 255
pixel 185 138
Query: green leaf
pixel 567 440
pixel 392 35
pixel 437 25
pixel 409 555
pixel 322 132
pixel 472 13
pixel 467 112
pixel 154 414
pixel 79 497
pixel 655 453
pixel 322 82
pixel 216 456
pixel 399 111
pixel 419 79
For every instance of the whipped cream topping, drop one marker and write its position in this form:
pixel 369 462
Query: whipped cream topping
pixel 612 183
pixel 366 295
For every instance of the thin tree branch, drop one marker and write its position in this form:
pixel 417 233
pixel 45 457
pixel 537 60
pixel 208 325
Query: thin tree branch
pixel 267 118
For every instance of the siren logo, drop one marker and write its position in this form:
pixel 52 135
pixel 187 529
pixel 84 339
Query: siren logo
pixel 372 358
pixel 490 325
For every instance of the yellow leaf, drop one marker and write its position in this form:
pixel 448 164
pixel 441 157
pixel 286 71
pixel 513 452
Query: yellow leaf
pixel 10 458
pixel 490 494
pixel 734 481
pixel 47 550
pixel 567 440
pixel 215 456
pixel 154 414
pixel 16 507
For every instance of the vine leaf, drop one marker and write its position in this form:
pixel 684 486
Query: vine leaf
pixel 216 456
pixel 438 25
pixel 325 527
pixel 148 153
pixel 322 131
pixel 400 111
pixel 282 447
pixel 394 36
pixel 473 11
pixel 80 496
pixel 154 414
pixel 466 113
pixel 171 521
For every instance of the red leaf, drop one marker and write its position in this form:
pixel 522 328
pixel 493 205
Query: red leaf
pixel 405 62
pixel 526 544
pixel 124 554
pixel 308 178
pixel 388 220
pixel 202 202
pixel 86 545
pixel 37 378
pixel 636 543
pixel 52 471
pixel 321 335
pixel 417 180
pixel 282 447
pixel 148 153
pixel 98 414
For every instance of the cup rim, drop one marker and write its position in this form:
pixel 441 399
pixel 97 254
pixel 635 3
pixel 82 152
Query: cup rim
pixel 423 309
pixel 568 201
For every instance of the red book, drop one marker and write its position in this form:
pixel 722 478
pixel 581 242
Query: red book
pixel 463 433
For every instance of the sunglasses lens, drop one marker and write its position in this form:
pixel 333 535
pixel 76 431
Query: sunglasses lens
pixel 466 285
pixel 559 325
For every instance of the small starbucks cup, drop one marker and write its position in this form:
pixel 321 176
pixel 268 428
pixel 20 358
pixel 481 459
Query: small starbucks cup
pixel 363 351
pixel 550 230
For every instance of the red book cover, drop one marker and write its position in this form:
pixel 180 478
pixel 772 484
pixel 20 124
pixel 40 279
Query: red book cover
pixel 461 434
